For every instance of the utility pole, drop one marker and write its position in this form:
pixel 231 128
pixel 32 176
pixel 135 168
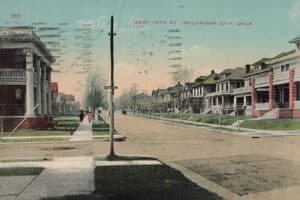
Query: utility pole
pixel 112 88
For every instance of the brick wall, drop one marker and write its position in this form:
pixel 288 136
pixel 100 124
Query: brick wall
pixel 30 123
pixel 292 89
pixel 253 98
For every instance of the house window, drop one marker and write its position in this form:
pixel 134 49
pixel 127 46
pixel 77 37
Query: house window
pixel 282 68
pixel 287 66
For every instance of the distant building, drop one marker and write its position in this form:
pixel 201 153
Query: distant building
pixel 25 77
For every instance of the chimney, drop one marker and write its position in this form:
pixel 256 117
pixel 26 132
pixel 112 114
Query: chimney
pixel 212 71
pixel 247 68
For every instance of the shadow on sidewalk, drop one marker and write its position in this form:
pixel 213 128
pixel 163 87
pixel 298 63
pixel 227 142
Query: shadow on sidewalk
pixel 129 181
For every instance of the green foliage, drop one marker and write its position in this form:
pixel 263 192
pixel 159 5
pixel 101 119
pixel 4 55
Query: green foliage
pixel 276 124
pixel 20 171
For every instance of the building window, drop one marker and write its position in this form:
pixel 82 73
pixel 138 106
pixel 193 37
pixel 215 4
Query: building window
pixel 287 67
pixel 282 68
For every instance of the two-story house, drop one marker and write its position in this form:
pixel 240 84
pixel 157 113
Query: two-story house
pixel 25 78
pixel 222 100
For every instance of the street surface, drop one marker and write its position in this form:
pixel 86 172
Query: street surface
pixel 254 168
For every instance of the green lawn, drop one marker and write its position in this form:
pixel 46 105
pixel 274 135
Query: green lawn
pixel 275 124
pixel 20 171
pixel 209 119
pixel 66 122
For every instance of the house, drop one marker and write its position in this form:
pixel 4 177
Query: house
pixel 186 97
pixel 158 99
pixel 202 86
pixel 66 104
pixel 25 77
pixel 222 100
pixel 174 97
pixel 274 85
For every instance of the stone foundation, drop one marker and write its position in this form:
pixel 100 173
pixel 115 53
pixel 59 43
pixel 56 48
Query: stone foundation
pixel 30 123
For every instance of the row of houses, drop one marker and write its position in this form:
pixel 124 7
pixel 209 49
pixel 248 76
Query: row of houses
pixel 269 87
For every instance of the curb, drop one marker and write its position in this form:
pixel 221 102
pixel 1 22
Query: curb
pixel 204 182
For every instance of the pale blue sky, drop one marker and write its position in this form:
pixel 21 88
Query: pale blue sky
pixel 140 48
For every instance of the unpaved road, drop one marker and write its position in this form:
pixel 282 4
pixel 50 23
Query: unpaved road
pixel 262 168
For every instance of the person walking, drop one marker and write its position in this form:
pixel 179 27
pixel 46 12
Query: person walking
pixel 90 117
pixel 81 116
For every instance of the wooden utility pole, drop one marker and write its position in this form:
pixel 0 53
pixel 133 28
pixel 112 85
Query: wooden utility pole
pixel 112 88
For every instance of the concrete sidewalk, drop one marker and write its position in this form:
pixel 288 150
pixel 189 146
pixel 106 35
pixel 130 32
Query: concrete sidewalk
pixel 62 176
pixel 84 132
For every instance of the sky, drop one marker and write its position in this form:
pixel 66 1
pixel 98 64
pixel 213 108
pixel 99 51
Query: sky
pixel 154 36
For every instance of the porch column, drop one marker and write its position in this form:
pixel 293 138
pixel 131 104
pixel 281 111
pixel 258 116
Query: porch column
pixel 234 101
pixel 49 92
pixel 44 90
pixel 39 92
pixel 29 83
pixel 223 103
pixel 292 89
pixel 253 97
pixel 271 92
pixel 245 101
pixel 217 101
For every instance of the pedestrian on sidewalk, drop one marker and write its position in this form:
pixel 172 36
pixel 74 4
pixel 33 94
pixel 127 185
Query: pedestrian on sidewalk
pixel 90 117
pixel 81 116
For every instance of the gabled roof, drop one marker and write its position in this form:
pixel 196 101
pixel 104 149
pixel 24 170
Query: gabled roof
pixel 261 61
pixel 200 78
pixel 284 54
pixel 211 79
pixel 236 74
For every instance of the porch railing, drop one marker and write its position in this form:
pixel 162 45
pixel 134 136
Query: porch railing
pixel 283 76
pixel 242 90
pixel 262 106
pixel 12 75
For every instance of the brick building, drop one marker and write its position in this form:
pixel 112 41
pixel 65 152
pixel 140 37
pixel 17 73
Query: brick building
pixel 25 79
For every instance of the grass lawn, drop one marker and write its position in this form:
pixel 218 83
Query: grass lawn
pixel 149 182
pixel 20 171
pixel 274 124
pixel 209 119
pixel 66 122
pixel 38 133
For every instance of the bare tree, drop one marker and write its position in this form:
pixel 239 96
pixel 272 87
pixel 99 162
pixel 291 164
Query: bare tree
pixel 95 96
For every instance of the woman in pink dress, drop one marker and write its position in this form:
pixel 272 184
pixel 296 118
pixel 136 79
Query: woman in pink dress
pixel 90 117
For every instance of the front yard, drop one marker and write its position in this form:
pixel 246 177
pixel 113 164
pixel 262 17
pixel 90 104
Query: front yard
pixel 207 119
pixel 275 124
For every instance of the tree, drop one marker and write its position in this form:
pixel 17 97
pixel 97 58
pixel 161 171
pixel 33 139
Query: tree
pixel 95 95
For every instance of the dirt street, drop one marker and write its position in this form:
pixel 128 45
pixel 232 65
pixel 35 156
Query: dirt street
pixel 261 168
